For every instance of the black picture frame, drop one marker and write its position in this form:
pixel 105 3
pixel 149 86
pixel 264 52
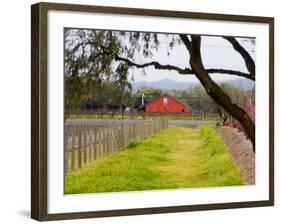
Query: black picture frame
pixel 39 106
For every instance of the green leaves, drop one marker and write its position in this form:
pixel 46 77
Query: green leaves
pixel 90 61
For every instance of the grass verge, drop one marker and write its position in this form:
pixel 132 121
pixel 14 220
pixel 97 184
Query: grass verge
pixel 218 165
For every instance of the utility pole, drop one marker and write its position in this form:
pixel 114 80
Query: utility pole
pixel 142 99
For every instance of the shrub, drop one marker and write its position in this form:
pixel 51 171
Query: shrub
pixel 250 110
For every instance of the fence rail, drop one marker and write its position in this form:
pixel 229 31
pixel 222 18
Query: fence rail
pixel 142 115
pixel 87 140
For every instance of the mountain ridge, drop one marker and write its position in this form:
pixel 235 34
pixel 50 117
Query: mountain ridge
pixel 171 84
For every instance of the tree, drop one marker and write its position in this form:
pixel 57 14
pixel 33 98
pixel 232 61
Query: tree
pixel 111 54
pixel 82 90
pixel 150 94
pixel 237 95
pixel 199 100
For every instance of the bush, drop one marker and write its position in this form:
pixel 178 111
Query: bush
pixel 219 123
pixel 250 110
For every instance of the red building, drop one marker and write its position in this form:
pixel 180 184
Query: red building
pixel 166 103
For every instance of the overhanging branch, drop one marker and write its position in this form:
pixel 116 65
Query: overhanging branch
pixel 185 71
pixel 156 65
pixel 250 64
pixel 229 72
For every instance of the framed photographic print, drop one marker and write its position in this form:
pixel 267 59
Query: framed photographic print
pixel 138 111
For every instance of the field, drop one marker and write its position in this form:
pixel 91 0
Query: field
pixel 176 157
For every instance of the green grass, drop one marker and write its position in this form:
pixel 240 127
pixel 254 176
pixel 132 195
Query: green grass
pixel 177 157
pixel 220 168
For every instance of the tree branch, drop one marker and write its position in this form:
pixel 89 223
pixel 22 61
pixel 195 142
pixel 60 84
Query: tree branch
pixel 185 71
pixel 186 41
pixel 230 72
pixel 215 91
pixel 250 64
pixel 156 65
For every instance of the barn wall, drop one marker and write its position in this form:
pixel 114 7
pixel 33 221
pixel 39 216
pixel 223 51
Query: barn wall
pixel 172 106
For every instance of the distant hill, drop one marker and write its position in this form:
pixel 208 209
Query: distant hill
pixel 171 84
pixel 163 84
pixel 243 83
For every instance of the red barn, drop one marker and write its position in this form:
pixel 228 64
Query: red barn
pixel 166 103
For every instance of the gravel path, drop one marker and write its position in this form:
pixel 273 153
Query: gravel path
pixel 241 150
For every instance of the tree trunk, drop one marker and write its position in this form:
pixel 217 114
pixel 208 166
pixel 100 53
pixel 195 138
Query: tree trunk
pixel 216 92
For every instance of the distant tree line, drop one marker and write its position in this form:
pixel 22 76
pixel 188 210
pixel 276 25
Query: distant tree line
pixel 81 92
pixel 197 98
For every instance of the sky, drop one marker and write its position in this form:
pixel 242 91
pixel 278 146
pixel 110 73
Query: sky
pixel 216 53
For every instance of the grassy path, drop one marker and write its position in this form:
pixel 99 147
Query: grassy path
pixel 178 157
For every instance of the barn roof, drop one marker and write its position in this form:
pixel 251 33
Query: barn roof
pixel 165 94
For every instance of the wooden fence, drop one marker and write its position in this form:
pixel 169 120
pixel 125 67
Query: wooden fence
pixel 136 115
pixel 87 140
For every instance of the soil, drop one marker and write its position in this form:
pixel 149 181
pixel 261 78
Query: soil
pixel 241 150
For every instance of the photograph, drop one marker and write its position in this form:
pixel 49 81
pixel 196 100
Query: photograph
pixel 141 111
pixel 147 111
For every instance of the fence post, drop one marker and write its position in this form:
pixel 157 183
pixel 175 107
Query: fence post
pixel 110 139
pixel 107 140
pixel 104 141
pixel 98 139
pixel 80 147
pixel 118 137
pixel 85 143
pixel 73 146
pixel 90 145
pixel 95 142
pixel 66 150
pixel 121 138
